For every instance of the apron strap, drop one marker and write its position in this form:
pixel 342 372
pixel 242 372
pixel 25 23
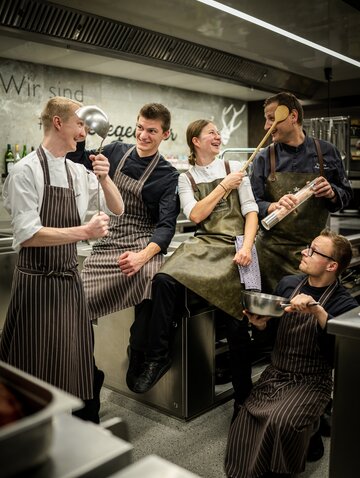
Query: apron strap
pixel 325 296
pixel 192 181
pixel 272 176
pixel 45 167
pixel 44 164
pixel 320 156
pixel 149 169
pixel 227 166
pixel 123 159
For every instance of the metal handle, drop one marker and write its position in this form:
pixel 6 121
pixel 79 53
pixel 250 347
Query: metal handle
pixel 98 188
pixel 310 304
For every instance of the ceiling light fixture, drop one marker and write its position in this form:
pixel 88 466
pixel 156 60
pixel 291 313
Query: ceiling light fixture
pixel 280 31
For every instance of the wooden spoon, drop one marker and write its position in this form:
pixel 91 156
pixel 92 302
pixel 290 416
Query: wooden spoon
pixel 281 113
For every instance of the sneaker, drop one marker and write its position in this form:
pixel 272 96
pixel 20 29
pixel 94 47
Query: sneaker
pixel 152 373
pixel 316 448
pixel 136 367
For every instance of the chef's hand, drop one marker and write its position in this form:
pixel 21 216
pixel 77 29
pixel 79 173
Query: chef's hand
pixel 233 180
pixel 101 165
pixel 323 189
pixel 243 257
pixel 301 303
pixel 258 321
pixel 289 201
pixel 98 226
pixel 131 262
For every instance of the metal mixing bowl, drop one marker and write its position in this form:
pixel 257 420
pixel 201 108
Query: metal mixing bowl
pixel 263 304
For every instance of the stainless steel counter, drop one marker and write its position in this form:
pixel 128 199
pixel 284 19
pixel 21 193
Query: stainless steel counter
pixel 83 449
pixel 344 453
pixel 153 466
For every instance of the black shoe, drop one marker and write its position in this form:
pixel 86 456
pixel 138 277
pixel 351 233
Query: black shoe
pixel 152 373
pixel 90 411
pixel 316 448
pixel 136 367
pixel 325 425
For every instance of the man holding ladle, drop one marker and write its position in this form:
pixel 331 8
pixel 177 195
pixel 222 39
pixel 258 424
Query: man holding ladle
pixel 47 331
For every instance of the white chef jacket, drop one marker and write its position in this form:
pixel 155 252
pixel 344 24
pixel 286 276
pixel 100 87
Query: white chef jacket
pixel 208 174
pixel 24 189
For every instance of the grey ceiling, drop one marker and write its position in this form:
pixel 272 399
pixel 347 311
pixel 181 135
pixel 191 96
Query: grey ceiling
pixel 190 45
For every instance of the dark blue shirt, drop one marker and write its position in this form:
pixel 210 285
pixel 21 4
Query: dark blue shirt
pixel 301 159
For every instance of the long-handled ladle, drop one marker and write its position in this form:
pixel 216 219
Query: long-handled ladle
pixel 96 120
pixel 281 113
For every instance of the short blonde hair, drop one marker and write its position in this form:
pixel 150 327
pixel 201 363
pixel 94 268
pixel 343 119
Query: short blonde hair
pixel 58 106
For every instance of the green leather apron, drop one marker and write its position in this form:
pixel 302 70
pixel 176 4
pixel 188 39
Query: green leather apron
pixel 279 249
pixel 204 263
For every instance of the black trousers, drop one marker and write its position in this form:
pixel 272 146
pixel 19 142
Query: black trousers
pixel 153 330
pixel 156 319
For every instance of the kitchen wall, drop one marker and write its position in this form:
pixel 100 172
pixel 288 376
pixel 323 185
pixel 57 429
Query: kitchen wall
pixel 25 88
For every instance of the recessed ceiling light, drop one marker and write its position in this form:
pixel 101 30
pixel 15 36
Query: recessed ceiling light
pixel 280 31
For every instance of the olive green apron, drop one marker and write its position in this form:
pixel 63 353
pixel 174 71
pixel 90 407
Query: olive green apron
pixel 279 249
pixel 204 263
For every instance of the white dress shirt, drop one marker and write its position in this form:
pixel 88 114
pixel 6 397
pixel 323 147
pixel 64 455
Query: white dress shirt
pixel 24 189
pixel 208 174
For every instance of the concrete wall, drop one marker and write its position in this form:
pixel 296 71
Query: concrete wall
pixel 25 88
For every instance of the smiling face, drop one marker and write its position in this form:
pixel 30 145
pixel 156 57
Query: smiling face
pixel 208 142
pixel 286 131
pixel 149 134
pixel 72 131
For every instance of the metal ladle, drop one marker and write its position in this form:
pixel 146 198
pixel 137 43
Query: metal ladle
pixel 96 120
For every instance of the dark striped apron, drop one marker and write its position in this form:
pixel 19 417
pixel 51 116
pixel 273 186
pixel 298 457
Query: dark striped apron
pixel 47 331
pixel 107 288
pixel 273 428
pixel 204 263
pixel 279 250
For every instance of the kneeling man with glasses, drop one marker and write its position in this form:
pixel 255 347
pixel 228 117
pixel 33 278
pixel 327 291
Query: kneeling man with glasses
pixel 275 426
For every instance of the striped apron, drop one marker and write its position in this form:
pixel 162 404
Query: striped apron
pixel 204 263
pixel 273 428
pixel 47 331
pixel 107 288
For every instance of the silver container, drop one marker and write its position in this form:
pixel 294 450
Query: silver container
pixel 26 442
pixel 263 304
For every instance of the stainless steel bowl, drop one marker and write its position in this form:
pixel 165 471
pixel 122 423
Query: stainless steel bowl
pixel 263 304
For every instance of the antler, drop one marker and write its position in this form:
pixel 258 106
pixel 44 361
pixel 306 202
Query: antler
pixel 228 129
pixel 235 115
pixel 224 113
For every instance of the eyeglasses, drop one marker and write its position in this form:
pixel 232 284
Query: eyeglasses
pixel 311 251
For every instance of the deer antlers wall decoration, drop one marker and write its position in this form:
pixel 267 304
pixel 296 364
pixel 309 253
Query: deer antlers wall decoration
pixel 228 129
